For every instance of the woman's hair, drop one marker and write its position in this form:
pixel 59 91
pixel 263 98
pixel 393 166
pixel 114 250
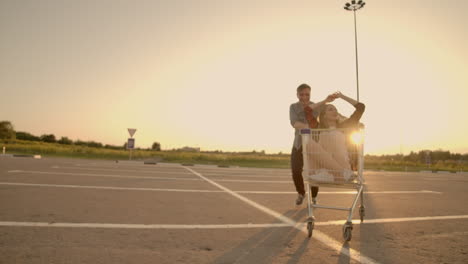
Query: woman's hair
pixel 323 122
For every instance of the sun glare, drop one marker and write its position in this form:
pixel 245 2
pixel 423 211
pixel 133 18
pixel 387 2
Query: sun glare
pixel 357 137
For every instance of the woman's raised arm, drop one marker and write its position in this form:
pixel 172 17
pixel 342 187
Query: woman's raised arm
pixel 346 98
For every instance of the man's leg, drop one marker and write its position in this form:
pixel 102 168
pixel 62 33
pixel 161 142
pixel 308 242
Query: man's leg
pixel 315 190
pixel 314 164
pixel 296 167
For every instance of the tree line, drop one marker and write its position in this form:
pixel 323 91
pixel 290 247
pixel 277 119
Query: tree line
pixel 423 156
pixel 8 133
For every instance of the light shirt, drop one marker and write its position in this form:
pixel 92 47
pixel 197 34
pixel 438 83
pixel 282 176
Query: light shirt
pixel 297 114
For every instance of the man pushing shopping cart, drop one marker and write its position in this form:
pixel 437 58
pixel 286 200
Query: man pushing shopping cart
pixel 331 151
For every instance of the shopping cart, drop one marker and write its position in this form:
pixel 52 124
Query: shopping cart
pixel 333 158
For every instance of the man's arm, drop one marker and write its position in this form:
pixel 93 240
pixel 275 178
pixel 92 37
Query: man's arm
pixel 293 117
pixel 300 125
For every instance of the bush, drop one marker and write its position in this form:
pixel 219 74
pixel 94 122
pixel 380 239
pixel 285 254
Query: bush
pixel 27 136
pixel 65 141
pixel 93 144
pixel 48 138
pixel 80 143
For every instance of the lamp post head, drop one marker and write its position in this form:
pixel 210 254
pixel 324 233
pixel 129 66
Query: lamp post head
pixel 354 6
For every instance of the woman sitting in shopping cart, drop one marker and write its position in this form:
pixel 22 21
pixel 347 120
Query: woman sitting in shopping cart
pixel 334 161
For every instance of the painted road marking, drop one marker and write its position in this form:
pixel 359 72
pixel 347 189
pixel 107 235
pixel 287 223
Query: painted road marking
pixel 123 163
pixel 249 225
pixel 198 191
pixel 139 226
pixel 122 170
pixel 395 220
pixel 147 177
pixel 257 181
pixel 348 192
pixel 106 187
pixel 173 172
pixel 326 240
pixel 104 175
pixel 139 177
pixel 175 165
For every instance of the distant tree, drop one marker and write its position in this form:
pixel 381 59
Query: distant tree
pixel 80 143
pixel 65 141
pixel 27 136
pixel 125 145
pixel 441 155
pixel 156 146
pixel 111 147
pixel 94 144
pixel 7 132
pixel 48 138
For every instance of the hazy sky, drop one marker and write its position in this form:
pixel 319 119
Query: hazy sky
pixel 221 74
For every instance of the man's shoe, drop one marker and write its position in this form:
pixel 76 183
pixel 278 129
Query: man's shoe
pixel 299 199
pixel 314 200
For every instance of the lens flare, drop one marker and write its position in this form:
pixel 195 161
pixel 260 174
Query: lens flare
pixel 357 137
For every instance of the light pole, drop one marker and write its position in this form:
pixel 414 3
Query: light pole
pixel 354 6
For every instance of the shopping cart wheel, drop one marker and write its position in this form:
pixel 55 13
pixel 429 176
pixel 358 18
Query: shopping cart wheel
pixel 347 231
pixel 362 212
pixel 310 226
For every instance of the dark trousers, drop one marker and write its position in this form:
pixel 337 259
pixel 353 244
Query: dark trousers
pixel 297 162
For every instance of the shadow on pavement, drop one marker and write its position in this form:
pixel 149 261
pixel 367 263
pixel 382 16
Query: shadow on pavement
pixel 267 244
pixel 344 258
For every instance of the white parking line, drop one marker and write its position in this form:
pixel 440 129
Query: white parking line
pixel 126 164
pixel 326 240
pixel 104 175
pixel 123 170
pixel 249 225
pixel 140 177
pixel 175 178
pixel 257 181
pixel 197 191
pixel 238 169
pixel 172 172
pixel 395 220
pixel 138 226
pixel 348 192
pixel 211 168
pixel 106 187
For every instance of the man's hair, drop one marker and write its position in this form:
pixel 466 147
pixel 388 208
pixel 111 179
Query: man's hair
pixel 302 87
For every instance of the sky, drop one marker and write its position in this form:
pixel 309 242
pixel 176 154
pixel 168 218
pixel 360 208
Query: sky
pixel 221 75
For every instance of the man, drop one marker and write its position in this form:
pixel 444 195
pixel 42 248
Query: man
pixel 303 114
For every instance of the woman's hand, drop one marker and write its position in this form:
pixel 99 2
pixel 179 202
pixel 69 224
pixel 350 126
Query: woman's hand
pixel 338 95
pixel 346 98
pixel 330 98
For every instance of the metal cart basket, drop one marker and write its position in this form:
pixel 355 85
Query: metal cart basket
pixel 333 158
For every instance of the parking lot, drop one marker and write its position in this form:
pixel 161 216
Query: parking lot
pixel 55 210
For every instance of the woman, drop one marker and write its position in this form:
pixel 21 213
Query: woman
pixel 333 142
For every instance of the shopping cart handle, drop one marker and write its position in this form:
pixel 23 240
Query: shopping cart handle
pixel 305 131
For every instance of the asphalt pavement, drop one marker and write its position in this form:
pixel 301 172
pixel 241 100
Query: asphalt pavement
pixel 55 210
